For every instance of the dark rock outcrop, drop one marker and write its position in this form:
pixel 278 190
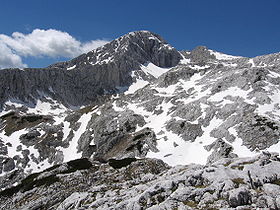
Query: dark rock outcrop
pixel 221 149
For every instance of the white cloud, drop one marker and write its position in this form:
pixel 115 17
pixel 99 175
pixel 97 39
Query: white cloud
pixel 9 59
pixel 88 46
pixel 40 43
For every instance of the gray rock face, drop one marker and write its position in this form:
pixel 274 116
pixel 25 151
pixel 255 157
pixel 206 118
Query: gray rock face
pixel 130 50
pixel 3 148
pixel 172 77
pixel 95 73
pixel 220 150
pixel 239 197
pixel 36 134
pixel 190 112
pixel 150 184
pixel 115 136
pixel 259 132
pixel 30 138
pixel 188 131
pixel 200 55
pixel 8 165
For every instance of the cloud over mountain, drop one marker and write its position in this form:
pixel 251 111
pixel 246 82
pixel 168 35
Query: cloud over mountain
pixel 41 43
pixel 8 58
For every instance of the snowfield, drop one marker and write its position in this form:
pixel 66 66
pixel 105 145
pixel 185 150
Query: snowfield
pixel 217 100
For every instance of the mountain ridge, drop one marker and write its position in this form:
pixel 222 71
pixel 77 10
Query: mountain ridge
pixel 89 80
pixel 198 106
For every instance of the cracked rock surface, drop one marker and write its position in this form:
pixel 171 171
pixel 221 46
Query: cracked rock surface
pixel 151 184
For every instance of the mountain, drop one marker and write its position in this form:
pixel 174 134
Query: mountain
pixel 80 81
pixel 137 102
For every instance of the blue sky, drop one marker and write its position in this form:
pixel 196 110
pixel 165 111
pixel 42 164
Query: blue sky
pixel 238 27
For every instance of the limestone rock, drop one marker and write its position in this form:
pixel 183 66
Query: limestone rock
pixel 8 165
pixel 220 150
pixel 239 197
pixel 149 184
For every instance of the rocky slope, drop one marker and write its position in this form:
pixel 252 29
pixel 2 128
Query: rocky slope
pixel 237 183
pixel 138 97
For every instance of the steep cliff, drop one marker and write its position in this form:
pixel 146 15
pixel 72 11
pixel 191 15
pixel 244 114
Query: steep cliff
pixel 102 71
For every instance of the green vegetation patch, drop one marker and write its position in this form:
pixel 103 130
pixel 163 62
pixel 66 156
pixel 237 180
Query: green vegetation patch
pixel 241 166
pixel 277 182
pixel 238 182
pixel 227 163
pixel 191 204
pixel 201 186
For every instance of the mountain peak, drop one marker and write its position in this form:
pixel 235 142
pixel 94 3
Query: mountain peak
pixel 145 35
pixel 211 108
pixel 132 49
pixel 141 46
pixel 92 74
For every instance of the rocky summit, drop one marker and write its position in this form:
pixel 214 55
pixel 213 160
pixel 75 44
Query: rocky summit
pixel 137 124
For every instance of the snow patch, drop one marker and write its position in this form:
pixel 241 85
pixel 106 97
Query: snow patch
pixel 222 56
pixel 72 67
pixel 231 91
pixel 70 153
pixel 251 61
pixel 197 67
pixel 117 108
pixel 272 107
pixel 140 83
pixel 185 152
pixel 238 147
pixel 152 69
pixel 14 141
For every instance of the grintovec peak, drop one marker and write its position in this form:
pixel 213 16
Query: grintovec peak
pixel 92 74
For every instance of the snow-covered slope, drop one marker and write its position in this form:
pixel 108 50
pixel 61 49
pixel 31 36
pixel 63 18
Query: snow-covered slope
pixel 222 56
pixel 206 107
pixel 146 73
pixel 214 109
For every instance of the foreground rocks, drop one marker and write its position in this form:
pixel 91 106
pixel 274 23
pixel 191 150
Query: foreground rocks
pixel 239 183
